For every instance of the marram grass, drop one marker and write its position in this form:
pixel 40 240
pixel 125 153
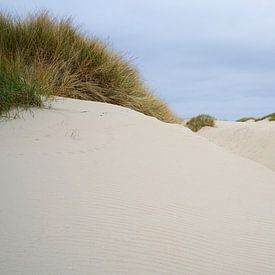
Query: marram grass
pixel 198 122
pixel 245 119
pixel 16 90
pixel 44 56
pixel 270 117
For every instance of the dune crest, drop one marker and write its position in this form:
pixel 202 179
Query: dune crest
pixel 253 140
pixel 94 188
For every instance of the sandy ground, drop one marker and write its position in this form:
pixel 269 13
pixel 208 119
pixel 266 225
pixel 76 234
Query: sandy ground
pixel 253 140
pixel 93 188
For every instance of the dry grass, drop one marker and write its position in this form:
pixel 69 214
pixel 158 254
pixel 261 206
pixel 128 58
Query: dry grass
pixel 53 58
pixel 196 123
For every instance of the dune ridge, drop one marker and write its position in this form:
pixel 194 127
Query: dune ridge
pixel 94 188
pixel 253 140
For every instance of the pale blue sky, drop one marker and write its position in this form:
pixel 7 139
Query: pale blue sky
pixel 201 56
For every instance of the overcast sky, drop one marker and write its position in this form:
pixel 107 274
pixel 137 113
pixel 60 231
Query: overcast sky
pixel 201 56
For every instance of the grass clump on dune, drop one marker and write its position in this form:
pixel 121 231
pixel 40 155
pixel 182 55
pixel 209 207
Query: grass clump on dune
pixel 245 119
pixel 54 59
pixel 270 117
pixel 198 122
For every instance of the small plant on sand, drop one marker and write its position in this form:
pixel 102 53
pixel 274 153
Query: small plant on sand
pixel 196 123
pixel 245 119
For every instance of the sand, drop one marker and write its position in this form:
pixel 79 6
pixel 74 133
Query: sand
pixel 93 188
pixel 253 140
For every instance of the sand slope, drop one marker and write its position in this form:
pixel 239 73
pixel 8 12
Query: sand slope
pixel 253 140
pixel 92 188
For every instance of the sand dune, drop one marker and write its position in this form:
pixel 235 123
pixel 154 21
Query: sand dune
pixel 93 188
pixel 253 140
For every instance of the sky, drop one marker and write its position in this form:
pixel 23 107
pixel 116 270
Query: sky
pixel 200 56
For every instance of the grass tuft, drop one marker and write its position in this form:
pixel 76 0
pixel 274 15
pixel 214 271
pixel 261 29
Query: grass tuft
pixel 15 90
pixel 47 56
pixel 196 123
pixel 245 119
pixel 270 117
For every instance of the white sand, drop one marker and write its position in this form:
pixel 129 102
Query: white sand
pixel 92 188
pixel 253 140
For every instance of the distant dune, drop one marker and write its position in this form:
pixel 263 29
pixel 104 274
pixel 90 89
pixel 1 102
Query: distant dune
pixel 253 140
pixel 94 188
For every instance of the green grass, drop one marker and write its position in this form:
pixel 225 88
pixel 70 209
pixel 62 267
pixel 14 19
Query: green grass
pixel 15 90
pixel 196 123
pixel 270 117
pixel 51 57
pixel 245 119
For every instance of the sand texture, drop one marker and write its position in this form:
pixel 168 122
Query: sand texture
pixel 93 188
pixel 253 140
